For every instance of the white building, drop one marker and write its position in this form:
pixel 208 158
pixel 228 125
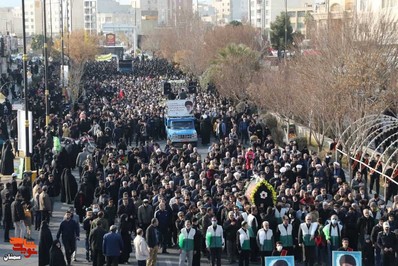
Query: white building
pixel 229 10
pixel 263 12
pixel 207 13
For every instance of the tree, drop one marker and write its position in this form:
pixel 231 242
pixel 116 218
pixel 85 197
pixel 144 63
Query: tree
pixel 278 32
pixel 80 48
pixel 37 42
pixel 194 45
pixel 235 23
pixel 352 75
pixel 232 70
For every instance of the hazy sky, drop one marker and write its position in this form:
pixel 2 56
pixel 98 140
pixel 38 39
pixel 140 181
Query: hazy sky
pixel 10 3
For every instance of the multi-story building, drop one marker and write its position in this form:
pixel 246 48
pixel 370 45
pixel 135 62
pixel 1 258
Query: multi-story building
pixel 33 18
pixel 229 10
pixel 206 12
pixel 223 11
pixel 298 17
pixel 332 12
pixel 174 12
pixel 386 6
pixel 240 10
pixel 263 12
pixel 8 21
pixel 90 16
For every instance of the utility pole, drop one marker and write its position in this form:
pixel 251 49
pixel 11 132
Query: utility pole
pixel 25 79
pixel 250 12
pixel 51 21
pixel 286 18
pixel 62 47
pixel 46 92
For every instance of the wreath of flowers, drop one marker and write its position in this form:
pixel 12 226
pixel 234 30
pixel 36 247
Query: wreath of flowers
pixel 270 188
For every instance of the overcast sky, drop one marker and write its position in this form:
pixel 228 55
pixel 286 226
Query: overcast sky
pixel 10 3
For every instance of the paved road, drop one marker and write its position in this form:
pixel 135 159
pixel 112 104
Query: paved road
pixel 59 211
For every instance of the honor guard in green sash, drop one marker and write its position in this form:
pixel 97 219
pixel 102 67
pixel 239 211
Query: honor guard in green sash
pixel 285 230
pixel 306 237
pixel 186 243
pixel 243 244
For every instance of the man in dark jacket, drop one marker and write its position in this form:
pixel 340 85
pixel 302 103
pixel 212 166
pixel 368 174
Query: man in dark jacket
pixel 231 227
pixel 152 239
pixel 373 236
pixel 18 216
pixel 96 238
pixel 70 233
pixel 365 225
pixel 198 240
pixel 7 217
pixel 112 246
pixel 387 242
pixel 164 218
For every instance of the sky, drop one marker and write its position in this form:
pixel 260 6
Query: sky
pixel 10 3
pixel 13 3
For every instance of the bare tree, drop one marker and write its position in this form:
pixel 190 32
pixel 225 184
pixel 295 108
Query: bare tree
pixel 80 48
pixel 351 76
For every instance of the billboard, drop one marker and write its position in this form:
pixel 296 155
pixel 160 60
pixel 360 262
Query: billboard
pixel 110 39
pixel 178 108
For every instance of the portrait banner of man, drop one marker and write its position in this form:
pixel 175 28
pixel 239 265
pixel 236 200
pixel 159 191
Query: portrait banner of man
pixel 347 258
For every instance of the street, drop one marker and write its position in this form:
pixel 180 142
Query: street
pixel 58 213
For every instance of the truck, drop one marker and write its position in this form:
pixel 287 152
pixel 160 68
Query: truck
pixel 180 122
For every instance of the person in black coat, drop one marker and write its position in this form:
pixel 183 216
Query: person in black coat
pixel 25 190
pixel 7 159
pixel 80 204
pixel 152 241
pixel 126 237
pixel 68 187
pixel 198 240
pixel 205 129
pixel 95 239
pixel 231 227
pixel 7 217
pixel 56 255
pixel 45 241
pixel 70 231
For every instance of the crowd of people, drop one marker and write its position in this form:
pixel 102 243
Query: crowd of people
pixel 167 197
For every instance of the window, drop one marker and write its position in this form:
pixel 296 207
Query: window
pixel 301 13
pixel 291 14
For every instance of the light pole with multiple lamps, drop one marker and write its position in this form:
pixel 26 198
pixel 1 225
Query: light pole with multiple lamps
pixel 46 92
pixel 25 80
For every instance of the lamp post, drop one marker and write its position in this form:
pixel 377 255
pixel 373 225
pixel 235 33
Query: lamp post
pixel 46 92
pixel 25 79
pixel 286 18
pixel 62 46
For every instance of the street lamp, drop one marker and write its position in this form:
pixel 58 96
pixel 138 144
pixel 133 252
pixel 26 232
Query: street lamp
pixel 25 79
pixel 286 18
pixel 46 92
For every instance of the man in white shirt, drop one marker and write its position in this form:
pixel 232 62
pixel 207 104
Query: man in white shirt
pixel 141 248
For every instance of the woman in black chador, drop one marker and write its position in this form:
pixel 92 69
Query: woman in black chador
pixel 68 187
pixel 45 241
pixel 56 256
pixel 126 236
pixel 7 159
